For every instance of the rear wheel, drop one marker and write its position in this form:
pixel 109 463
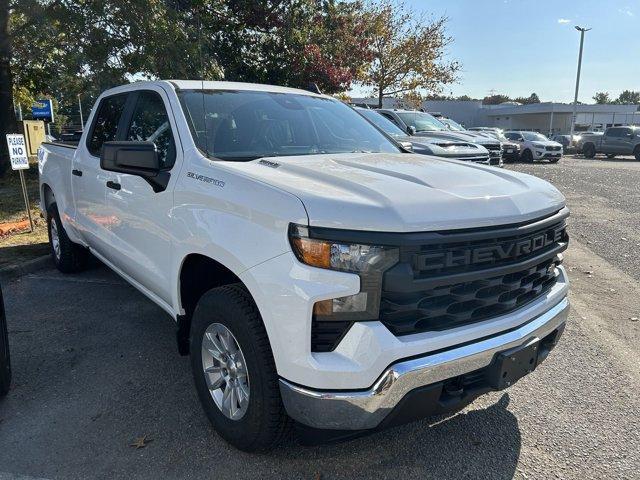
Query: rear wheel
pixel 234 370
pixel 69 257
pixel 527 156
pixel 636 153
pixel 5 361
pixel 589 150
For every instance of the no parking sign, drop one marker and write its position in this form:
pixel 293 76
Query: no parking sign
pixel 20 162
pixel 17 152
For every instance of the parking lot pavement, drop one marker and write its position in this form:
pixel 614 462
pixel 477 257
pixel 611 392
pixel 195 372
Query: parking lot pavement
pixel 95 367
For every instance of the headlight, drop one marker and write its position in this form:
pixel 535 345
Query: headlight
pixel 537 145
pixel 368 261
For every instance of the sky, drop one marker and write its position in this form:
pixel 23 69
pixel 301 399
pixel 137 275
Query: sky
pixel 517 47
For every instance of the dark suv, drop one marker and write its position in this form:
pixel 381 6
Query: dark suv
pixel 423 124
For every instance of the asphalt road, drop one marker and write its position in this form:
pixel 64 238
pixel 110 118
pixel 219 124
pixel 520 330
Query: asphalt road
pixel 95 367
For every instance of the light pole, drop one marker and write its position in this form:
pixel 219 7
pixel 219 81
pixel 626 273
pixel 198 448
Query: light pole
pixel 575 99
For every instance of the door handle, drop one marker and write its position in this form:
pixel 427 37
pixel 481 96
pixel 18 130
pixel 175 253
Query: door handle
pixel 113 185
pixel 77 173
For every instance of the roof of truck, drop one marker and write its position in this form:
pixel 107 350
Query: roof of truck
pixel 210 85
pixel 218 85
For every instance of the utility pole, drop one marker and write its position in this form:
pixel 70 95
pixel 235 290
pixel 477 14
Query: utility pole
pixel 575 98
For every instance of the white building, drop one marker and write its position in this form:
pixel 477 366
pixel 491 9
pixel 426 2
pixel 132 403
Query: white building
pixel 548 118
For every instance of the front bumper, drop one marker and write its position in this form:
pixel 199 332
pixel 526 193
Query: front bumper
pixel 371 408
pixel 548 155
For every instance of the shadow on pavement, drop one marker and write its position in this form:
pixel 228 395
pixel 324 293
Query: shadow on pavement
pixel 482 443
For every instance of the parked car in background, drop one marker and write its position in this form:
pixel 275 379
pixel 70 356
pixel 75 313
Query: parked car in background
pixel 315 270
pixel 486 129
pixel 614 141
pixel 535 146
pixel 453 149
pixel 423 124
pixel 568 144
pixel 5 360
pixel 510 149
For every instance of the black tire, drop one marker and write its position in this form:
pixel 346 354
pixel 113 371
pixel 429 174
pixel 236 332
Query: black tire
pixel 554 160
pixel 636 153
pixel 589 150
pixel 71 256
pixel 527 156
pixel 265 422
pixel 5 359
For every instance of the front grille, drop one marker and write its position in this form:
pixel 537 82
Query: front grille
pixel 449 306
pixel 460 277
pixel 495 149
pixel 553 148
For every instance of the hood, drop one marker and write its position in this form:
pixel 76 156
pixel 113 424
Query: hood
pixel 457 137
pixel 546 143
pixel 404 192
pixel 443 147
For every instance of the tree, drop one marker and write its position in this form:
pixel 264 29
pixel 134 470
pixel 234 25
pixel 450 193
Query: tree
pixel 628 97
pixel 533 98
pixel 408 52
pixel 66 48
pixel 601 98
pixel 7 117
pixel 496 99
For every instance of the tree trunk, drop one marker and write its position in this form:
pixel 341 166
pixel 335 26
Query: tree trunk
pixel 380 96
pixel 7 115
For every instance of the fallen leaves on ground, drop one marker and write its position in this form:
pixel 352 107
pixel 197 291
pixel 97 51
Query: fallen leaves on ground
pixel 141 442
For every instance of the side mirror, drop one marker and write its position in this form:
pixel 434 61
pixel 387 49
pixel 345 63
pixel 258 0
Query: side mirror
pixel 411 130
pixel 135 158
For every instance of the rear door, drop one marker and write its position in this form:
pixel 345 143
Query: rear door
pixel 141 238
pixel 625 141
pixel 88 180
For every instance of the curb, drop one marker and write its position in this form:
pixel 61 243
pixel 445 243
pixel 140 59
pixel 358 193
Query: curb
pixel 30 266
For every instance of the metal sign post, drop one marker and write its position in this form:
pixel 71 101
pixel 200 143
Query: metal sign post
pixel 20 162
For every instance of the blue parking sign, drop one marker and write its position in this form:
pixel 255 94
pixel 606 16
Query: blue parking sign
pixel 43 109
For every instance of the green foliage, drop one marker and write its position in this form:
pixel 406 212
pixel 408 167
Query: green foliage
pixel 495 99
pixel 628 97
pixel 601 98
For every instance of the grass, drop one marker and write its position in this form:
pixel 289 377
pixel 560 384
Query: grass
pixel 18 247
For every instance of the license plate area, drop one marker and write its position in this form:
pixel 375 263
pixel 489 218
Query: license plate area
pixel 513 364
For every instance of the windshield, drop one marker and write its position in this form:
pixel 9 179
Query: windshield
pixel 453 125
pixel 534 136
pixel 381 122
pixel 423 122
pixel 245 125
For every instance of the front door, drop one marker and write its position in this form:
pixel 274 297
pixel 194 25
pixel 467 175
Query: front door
pixel 611 140
pixel 141 237
pixel 88 180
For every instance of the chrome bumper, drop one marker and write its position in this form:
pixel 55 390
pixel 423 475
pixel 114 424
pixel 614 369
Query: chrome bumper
pixel 360 410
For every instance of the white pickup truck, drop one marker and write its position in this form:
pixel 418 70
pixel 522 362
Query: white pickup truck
pixel 317 272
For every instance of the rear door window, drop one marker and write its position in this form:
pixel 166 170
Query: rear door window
pixel 105 125
pixel 150 123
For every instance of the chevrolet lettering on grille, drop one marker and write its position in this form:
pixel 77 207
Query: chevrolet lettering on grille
pixel 498 252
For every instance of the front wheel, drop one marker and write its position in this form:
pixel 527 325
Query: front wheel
pixel 234 370
pixel 69 257
pixel 527 156
pixel 636 153
pixel 589 150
